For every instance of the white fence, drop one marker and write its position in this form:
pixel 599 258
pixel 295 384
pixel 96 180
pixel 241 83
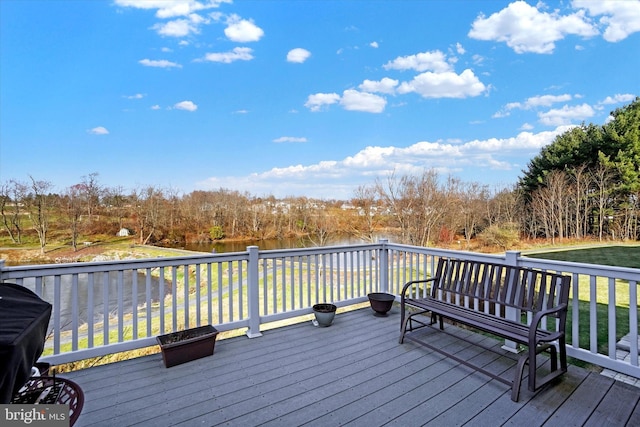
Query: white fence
pixel 107 307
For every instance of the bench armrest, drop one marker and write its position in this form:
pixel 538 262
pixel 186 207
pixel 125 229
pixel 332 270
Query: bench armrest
pixel 537 318
pixel 411 283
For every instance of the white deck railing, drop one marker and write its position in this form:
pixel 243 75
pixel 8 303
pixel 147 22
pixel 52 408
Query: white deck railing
pixel 101 308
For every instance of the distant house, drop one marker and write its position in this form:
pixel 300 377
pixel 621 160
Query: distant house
pixel 124 232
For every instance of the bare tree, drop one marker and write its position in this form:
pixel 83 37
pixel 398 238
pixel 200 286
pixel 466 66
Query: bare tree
pixel 91 191
pixel 38 208
pixel 602 177
pixel 116 203
pixel 550 204
pixel 11 198
pixel 148 208
pixel 72 208
pixel 366 216
pixel 472 198
pixel 580 199
pixel 398 194
pixel 323 225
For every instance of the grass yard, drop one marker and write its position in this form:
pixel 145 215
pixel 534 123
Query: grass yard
pixel 620 256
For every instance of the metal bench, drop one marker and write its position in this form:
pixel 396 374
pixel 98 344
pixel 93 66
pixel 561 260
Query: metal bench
pixel 525 306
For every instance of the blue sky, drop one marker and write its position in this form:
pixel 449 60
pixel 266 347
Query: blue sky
pixel 302 98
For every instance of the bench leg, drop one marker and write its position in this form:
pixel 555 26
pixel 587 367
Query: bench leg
pixel 407 324
pixel 517 380
pixel 403 328
pixel 563 353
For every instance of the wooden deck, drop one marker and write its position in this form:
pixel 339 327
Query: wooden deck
pixel 352 373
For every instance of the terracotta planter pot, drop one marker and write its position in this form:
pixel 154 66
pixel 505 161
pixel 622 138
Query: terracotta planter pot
pixel 324 314
pixel 185 346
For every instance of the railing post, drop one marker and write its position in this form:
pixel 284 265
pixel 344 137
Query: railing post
pixel 383 280
pixel 1 268
pixel 253 292
pixel 511 259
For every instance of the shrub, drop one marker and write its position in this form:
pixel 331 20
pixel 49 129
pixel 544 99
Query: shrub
pixel 503 235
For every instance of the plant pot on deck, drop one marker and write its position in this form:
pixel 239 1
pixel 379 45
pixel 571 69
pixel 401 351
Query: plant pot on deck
pixel 381 302
pixel 324 314
pixel 185 346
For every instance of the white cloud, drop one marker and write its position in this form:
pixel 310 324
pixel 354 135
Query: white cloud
pixel 99 130
pixel 620 18
pixel 566 115
pixel 618 99
pixel 290 139
pixel 533 103
pixel 160 63
pixel 237 54
pixel 433 61
pixel 186 105
pixel 354 100
pixel 242 30
pixel 386 85
pixel 298 55
pixel 339 178
pixel 374 45
pixel 524 28
pixel 460 49
pixel 316 101
pixel 172 8
pixel 177 28
pixel 155 107
pixel 136 96
pixel 444 85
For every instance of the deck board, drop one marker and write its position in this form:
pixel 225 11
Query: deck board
pixel 352 373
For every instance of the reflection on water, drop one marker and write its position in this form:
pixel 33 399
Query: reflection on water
pixel 106 287
pixel 266 245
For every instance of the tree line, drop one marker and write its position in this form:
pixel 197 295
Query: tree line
pixel 585 184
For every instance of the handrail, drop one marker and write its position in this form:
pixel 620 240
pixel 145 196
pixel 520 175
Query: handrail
pixel 135 300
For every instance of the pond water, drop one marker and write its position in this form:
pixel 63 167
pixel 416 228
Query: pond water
pixel 268 244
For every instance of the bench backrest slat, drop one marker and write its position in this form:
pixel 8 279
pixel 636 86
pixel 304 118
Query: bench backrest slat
pixel 491 287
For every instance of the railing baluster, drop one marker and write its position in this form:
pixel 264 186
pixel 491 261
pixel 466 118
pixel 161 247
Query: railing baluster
pixel 74 312
pixel 209 294
pixel 221 287
pixel 231 292
pixel 242 288
pixel 174 297
pixel 148 300
pixel 593 317
pixel 105 308
pixel 198 297
pixel 612 341
pixel 90 306
pixel 134 304
pixel 57 308
pixel 161 299
pixel 633 322
pixel 186 284
pixel 120 287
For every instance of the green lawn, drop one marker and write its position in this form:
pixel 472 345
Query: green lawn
pixel 620 256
